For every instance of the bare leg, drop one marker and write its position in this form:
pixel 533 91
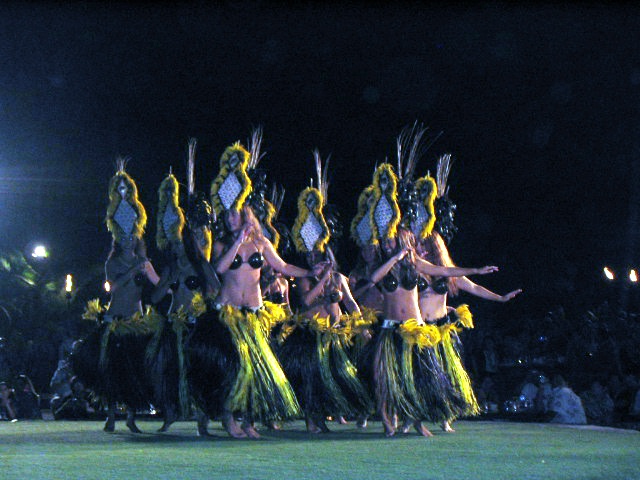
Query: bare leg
pixel 203 422
pixel 322 425
pixel 169 418
pixel 406 426
pixel 273 425
pixel 231 426
pixel 446 426
pixel 131 421
pixel 387 422
pixel 421 429
pixel 311 425
pixel 110 424
pixel 249 429
pixel 361 422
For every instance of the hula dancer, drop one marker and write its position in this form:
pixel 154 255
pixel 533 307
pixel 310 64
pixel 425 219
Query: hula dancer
pixel 400 363
pixel 111 360
pixel 187 279
pixel 234 370
pixel 314 349
pixel 433 298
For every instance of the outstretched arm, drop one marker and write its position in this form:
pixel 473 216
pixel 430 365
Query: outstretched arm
pixel 428 268
pixel 479 291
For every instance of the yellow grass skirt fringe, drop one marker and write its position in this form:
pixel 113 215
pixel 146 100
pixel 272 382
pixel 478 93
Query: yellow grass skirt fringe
pixel 261 389
pixel 450 358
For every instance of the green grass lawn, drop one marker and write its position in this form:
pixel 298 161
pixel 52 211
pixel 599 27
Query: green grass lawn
pixel 478 450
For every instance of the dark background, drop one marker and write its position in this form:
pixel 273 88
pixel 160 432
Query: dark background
pixel 538 104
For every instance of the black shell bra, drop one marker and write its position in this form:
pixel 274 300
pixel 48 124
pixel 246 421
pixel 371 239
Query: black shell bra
pixel 256 260
pixel 440 285
pixel 192 282
pixel 409 279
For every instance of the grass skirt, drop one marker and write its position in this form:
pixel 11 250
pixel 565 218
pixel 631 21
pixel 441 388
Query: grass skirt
pixel 449 353
pixel 314 358
pixel 110 361
pixel 166 362
pixel 401 369
pixel 233 368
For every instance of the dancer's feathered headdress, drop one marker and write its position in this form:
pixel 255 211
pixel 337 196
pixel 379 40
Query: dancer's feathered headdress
pixel 199 215
pixel 126 216
pixel 232 186
pixel 170 219
pixel 384 214
pixel 264 210
pixel 361 225
pixel 445 209
pixel 310 231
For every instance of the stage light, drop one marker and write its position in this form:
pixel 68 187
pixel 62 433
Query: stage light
pixel 68 283
pixel 608 273
pixel 633 276
pixel 40 251
pixel 107 286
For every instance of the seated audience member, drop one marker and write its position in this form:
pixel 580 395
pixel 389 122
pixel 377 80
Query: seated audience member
pixel 598 405
pixel 566 405
pixel 544 396
pixel 74 406
pixel 27 400
pixel 60 386
pixel 635 408
pixel 7 409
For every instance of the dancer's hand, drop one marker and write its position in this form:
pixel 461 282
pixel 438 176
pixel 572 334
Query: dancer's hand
pixel 401 254
pixel 486 270
pixel 510 295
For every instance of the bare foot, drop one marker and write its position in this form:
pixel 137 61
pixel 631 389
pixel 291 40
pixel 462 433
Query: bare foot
pixel 446 427
pixel 390 423
pixel 273 425
pixel 361 422
pixel 421 429
pixel 131 422
pixel 231 426
pixel 169 418
pixel 406 426
pixel 389 428
pixel 312 427
pixel 323 426
pixel 250 430
pixel 203 423
pixel 110 424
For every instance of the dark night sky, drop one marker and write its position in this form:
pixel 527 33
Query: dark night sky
pixel 538 104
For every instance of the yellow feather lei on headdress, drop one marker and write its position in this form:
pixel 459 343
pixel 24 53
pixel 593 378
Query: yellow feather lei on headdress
pixel 240 172
pixel 391 195
pixel 132 199
pixel 427 192
pixel 363 211
pixel 304 211
pixel 169 195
